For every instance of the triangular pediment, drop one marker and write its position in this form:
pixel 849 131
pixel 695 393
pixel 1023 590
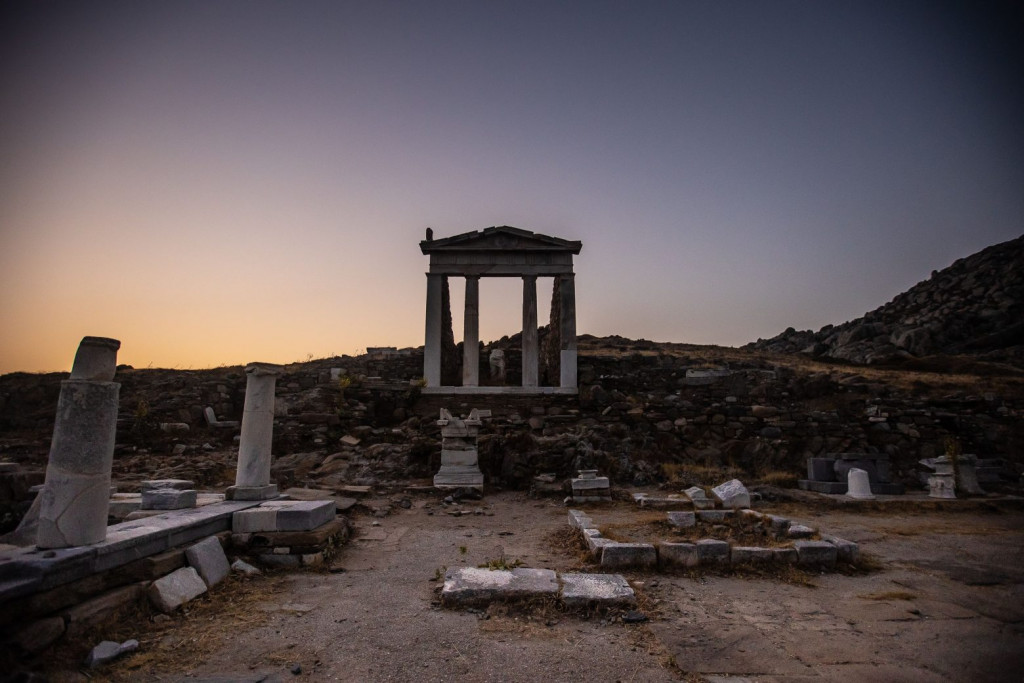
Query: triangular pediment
pixel 501 238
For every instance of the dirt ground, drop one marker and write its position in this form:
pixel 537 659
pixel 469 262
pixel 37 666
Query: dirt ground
pixel 946 604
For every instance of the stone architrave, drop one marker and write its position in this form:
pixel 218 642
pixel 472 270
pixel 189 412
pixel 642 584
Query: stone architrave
pixel 76 495
pixel 460 466
pixel 252 479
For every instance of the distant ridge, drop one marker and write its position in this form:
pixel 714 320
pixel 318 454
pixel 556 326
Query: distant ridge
pixel 974 307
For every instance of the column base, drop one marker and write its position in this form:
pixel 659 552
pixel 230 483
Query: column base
pixel 459 477
pixel 251 492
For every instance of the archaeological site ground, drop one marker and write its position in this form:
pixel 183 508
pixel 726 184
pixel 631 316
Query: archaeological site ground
pixel 839 505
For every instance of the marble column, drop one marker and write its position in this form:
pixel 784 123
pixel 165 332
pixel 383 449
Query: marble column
pixel 567 359
pixel 432 342
pixel 471 334
pixel 252 478
pixel 530 346
pixel 76 494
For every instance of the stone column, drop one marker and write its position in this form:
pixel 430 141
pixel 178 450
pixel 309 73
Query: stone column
pixel 567 359
pixel 432 342
pixel 471 334
pixel 76 494
pixel 530 348
pixel 252 479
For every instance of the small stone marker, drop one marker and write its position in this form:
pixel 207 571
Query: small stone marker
pixel 208 558
pixel 590 487
pixel 175 589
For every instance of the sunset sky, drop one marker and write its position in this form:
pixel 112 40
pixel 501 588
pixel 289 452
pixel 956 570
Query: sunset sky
pixel 221 182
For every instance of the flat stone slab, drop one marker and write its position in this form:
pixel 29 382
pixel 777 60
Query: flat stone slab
pixel 284 515
pixel 596 590
pixel 470 586
pixel 712 551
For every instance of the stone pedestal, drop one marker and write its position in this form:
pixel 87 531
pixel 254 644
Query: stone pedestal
pixel 76 495
pixel 590 487
pixel 858 484
pixel 459 458
pixel 252 480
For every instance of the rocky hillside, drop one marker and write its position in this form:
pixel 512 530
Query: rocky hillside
pixel 973 307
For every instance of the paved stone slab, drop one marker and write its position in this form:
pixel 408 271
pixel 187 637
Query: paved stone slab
pixel 622 555
pixel 816 553
pixel 209 560
pixel 682 519
pixel 177 588
pixel 596 590
pixel 469 586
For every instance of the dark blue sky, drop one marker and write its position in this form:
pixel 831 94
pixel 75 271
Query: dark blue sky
pixel 221 181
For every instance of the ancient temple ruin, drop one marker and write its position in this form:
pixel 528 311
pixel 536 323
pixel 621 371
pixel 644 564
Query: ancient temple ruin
pixel 500 252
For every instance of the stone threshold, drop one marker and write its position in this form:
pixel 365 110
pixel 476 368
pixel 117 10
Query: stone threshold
pixel 479 586
pixel 24 571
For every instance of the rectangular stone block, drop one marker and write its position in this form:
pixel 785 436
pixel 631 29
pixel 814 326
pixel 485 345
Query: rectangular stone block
pixel 682 519
pixel 471 586
pixel 596 590
pixel 168 499
pixel 821 469
pixel 208 558
pixel 712 551
pixel 816 553
pixel 750 555
pixel 714 516
pixel 621 555
pixel 847 551
pixel 175 589
pixel 784 555
pixel 157 484
pixel 834 487
pixel 799 531
pixel 579 519
pixel 254 520
pixel 678 555
pixel 303 515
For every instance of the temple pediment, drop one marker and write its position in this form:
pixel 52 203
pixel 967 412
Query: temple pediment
pixel 502 238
